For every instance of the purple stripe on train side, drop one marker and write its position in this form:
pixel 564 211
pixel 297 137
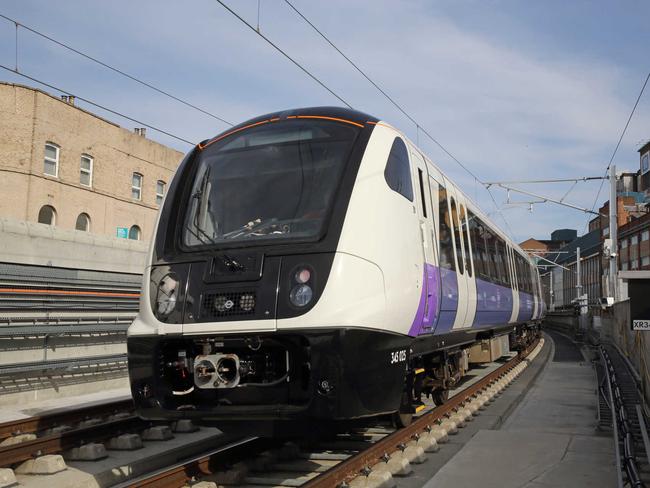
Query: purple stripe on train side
pixel 493 304
pixel 428 308
pixel 448 300
pixel 526 307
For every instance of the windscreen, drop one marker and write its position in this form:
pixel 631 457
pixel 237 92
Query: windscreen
pixel 275 181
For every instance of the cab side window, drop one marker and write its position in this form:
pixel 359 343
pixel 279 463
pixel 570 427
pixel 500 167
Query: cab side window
pixel 398 171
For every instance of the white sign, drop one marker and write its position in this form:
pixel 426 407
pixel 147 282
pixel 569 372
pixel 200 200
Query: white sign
pixel 641 325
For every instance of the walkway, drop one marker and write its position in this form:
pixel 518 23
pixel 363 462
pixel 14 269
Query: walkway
pixel 549 441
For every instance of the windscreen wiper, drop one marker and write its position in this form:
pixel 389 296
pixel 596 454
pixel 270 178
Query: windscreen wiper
pixel 229 262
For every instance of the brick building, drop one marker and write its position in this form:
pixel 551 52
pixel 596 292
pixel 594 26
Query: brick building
pixel 64 166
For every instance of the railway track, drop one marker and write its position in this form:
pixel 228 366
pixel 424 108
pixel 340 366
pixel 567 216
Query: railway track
pixel 367 456
pixel 28 438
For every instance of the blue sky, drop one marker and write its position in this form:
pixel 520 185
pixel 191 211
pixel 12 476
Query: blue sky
pixel 514 89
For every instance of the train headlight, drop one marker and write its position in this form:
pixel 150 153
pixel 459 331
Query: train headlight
pixel 167 295
pixel 301 295
pixel 302 276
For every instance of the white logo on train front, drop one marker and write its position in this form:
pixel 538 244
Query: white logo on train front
pixel 398 356
pixel 229 304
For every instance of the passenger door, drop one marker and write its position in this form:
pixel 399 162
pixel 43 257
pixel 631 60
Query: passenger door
pixel 459 254
pixel 427 310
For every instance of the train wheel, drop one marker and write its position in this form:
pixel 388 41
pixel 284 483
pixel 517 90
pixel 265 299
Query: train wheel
pixel 404 416
pixel 440 396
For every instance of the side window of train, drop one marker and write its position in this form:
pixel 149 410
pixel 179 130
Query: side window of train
pixel 398 172
pixel 465 225
pixel 457 236
pixel 497 260
pixel 503 257
pixel 424 201
pixel 478 246
pixel 446 247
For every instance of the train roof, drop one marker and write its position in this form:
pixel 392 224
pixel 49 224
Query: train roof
pixel 331 113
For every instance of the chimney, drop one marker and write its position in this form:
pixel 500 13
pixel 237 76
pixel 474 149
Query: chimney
pixel 141 131
pixel 68 99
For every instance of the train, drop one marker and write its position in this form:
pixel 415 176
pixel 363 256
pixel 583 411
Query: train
pixel 313 265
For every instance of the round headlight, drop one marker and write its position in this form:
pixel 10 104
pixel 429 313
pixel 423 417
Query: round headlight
pixel 301 295
pixel 167 296
pixel 302 275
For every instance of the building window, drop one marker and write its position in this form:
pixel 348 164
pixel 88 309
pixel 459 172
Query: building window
pixel 83 222
pixel 634 240
pixel 634 264
pixel 86 170
pixel 624 267
pixel 51 162
pixel 136 186
pixel 47 215
pixel 605 231
pixel 645 235
pixel 623 243
pixel 134 233
pixel 645 261
pixel 160 191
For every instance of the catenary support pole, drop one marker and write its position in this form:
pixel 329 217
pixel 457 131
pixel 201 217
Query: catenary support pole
pixel 613 234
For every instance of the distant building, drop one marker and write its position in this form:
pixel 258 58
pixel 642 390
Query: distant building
pixel 644 170
pixel 547 248
pixel 62 165
pixel 634 244
pixel 566 235
pixel 564 277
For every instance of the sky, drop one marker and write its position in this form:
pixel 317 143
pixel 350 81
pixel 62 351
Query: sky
pixel 515 90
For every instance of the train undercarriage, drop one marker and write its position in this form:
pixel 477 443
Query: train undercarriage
pixel 434 374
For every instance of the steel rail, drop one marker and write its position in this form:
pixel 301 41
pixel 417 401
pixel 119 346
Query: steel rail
pixel 354 466
pixel 59 442
pixel 38 423
pixel 204 464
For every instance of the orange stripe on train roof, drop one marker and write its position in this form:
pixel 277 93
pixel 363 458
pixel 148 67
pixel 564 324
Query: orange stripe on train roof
pixel 346 121
pixel 68 292
pixel 276 119
pixel 235 131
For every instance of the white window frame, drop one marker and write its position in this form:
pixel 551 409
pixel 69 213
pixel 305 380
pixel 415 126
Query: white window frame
pixel 55 160
pixel 160 196
pixel 89 172
pixel 645 260
pixel 634 240
pixel 645 235
pixel 623 243
pixel 138 188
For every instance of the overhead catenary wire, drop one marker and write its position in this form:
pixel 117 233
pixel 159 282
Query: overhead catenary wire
pixel 108 66
pixel 620 139
pixel 277 48
pixel 418 126
pixel 97 105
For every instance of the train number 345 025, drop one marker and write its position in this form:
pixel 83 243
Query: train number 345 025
pixel 398 356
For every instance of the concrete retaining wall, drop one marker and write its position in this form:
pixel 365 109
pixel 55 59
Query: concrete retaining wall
pixel 32 243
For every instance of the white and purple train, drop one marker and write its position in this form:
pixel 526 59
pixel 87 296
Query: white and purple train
pixel 315 265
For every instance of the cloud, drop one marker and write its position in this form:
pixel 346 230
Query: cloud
pixel 506 104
